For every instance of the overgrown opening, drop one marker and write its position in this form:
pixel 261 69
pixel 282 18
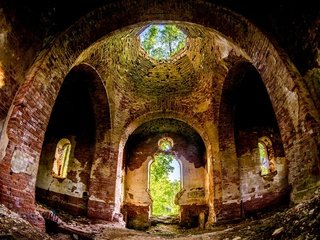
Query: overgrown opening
pixel 165 181
pixel 162 41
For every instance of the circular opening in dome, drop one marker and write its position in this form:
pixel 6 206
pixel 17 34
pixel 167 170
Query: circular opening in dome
pixel 165 144
pixel 162 41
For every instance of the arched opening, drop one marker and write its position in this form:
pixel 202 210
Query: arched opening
pixel 75 134
pixel 65 186
pixel 250 145
pixel 164 180
pixel 162 41
pixel 266 154
pixel 171 141
pixel 61 159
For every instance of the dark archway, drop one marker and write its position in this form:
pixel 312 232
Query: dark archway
pixel 255 120
pixel 246 114
pixel 81 116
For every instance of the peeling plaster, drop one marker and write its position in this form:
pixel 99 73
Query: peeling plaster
pixel 94 167
pixel 136 185
pixel 78 167
pixel 67 187
pixel 21 162
pixel 98 168
pixel 46 181
pixel 4 140
pixel 224 46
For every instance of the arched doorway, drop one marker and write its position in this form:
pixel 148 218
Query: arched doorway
pixel 165 180
pixel 142 152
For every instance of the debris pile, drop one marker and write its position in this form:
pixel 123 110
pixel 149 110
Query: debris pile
pixel 300 222
pixel 12 226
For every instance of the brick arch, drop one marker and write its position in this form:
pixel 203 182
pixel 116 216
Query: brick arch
pixel 231 84
pixel 31 108
pixel 102 149
pixel 99 94
pixel 140 121
pixel 227 147
pixel 231 143
pixel 135 124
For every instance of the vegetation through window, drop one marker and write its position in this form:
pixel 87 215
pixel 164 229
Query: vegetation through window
pixel 162 41
pixel 165 144
pixel 266 156
pixel 164 180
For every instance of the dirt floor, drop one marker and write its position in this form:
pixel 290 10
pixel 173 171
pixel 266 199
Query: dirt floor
pixel 300 222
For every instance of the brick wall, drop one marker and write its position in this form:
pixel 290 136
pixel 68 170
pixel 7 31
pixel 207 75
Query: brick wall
pixel 32 105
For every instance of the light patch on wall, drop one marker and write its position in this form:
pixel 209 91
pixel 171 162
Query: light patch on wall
pixel 22 163
pixel 2 76
pixel 292 104
pixel 93 198
pixel 3 38
pixel 94 167
pixel 68 187
pixel 4 140
pixel 212 132
pixel 202 107
pixel 224 46
pixel 99 168
pixel 1 126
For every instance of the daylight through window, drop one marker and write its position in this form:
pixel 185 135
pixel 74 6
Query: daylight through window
pixel 162 41
pixel 61 158
pixel 266 156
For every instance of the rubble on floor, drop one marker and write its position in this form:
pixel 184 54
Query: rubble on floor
pixel 12 226
pixel 300 222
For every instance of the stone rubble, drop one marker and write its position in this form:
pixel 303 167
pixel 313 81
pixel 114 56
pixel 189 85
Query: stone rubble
pixel 300 222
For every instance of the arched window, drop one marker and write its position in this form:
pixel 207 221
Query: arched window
pixel 61 159
pixel 165 144
pixel 266 156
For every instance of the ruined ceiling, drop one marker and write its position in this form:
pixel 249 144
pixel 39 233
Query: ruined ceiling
pixel 293 24
pixel 121 59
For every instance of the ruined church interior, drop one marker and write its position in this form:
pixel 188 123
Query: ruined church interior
pixel 87 111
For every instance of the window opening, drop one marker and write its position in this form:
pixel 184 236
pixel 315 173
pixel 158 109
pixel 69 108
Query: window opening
pixel 61 159
pixel 266 157
pixel 164 180
pixel 162 41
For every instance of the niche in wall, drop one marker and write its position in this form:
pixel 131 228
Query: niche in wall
pixel 262 162
pixel 72 122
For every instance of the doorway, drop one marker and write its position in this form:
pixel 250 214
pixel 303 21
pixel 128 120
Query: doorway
pixel 164 184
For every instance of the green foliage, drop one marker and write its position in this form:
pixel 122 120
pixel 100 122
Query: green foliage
pixel 165 145
pixel 264 159
pixel 162 41
pixel 162 189
pixel 161 167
